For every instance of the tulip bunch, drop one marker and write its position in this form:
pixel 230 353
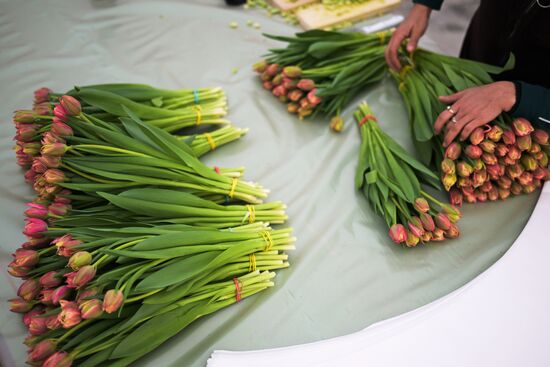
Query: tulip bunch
pixel 131 237
pixel 321 71
pixel 496 162
pixel 504 157
pixel 391 179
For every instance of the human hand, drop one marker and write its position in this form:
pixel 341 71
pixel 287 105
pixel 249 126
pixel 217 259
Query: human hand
pixel 412 27
pixel 472 108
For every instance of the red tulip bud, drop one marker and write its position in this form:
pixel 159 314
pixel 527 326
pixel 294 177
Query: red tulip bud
pixel 42 95
pixel 337 124
pixel 313 99
pixel 481 196
pixel 66 245
pixel 306 84
pixel 268 85
pixel 448 166
pixel 55 149
pixel 265 77
pixel 292 71
pixel 522 127
pixel 19 305
pixel 45 296
pixel 60 293
pixel 114 298
pixel 489 158
pixel 479 178
pixel 260 66
pixel 415 226
pixel 442 221
pixel 504 182
pixel 525 179
pixel 37 325
pixel 539 173
pixel 58 359
pixel 473 151
pixel 18 271
pixel 86 293
pixel 42 109
pixel 60 112
pixel 292 107
pixel 70 105
pixel 453 151
pixel 464 169
pixel 495 133
pixel 508 137
pixel 279 91
pixel 290 84
pixel 452 232
pixel 503 193
pixel 540 137
pixel 272 69
pixel 80 259
pixel 421 205
pixel 524 142
pixel 426 237
pixel 41 351
pixel 516 188
pixel 488 146
pixel 514 171
pixel 455 197
pixel 61 129
pixel 295 95
pixel 26 132
pixel 54 176
pixel 91 309
pixel 477 136
pixel 25 257
pixel 83 276
pixel 50 279
pixel 29 289
pixel 535 148
pixel 69 315
pixel 427 222
pixel 438 235
pixel 486 187
pixel 514 152
pixel 501 150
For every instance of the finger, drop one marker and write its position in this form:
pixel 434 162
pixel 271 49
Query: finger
pixel 451 98
pixel 470 127
pixel 455 129
pixel 441 120
pixel 394 45
pixel 416 33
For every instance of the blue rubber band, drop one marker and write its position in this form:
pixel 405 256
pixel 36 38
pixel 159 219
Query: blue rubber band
pixel 196 96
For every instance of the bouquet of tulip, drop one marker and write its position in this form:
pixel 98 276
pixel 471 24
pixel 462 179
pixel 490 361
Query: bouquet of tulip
pixel 322 71
pixel 131 237
pixel 504 157
pixel 391 180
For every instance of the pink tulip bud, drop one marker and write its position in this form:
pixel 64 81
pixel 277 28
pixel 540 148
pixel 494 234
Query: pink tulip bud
pixel 540 137
pixel 60 112
pixel 516 188
pixel 45 297
pixel 295 95
pixel 292 71
pixel 438 235
pixel 421 205
pixel 427 222
pixel 268 85
pixel 42 350
pixel 426 237
pixel 83 276
pixel 539 173
pixel 26 132
pixel 80 259
pixel 114 298
pixel 448 181
pixel 277 80
pixel 488 146
pixel 71 105
pixel 19 305
pixel 58 359
pixel 24 116
pixel 61 129
pixel 306 84
pixel 452 232
pixel 477 164
pixel 489 158
pixel 29 289
pixel 453 151
pixel 503 194
pixel 464 169
pixel 479 178
pixel 415 226
pixel 336 124
pixel 535 148
pixel 522 127
pixel 495 134
pixel 448 166
pixel 501 150
pixel 69 315
pixel 279 91
pixel 272 69
pixel 50 279
pixel 524 142
pixel 60 293
pixel 486 187
pixel 25 257
pixel 35 227
pixel 525 179
pixel 477 136
pixel 38 166
pixel 55 149
pixel 313 99
pixel 508 137
pixel 86 293
pixel 455 197
pixel 473 151
pixel 464 182
pixel 411 240
pixel 42 109
pixel 504 182
pixel 514 153
pixel 470 197
pixel 290 84
pixel 66 245
pixel 292 107
pixel 58 209
pixel 42 95
pixel 397 233
pixel 493 194
pixel 514 171
pixel 260 66
pixel 452 212
pixel 91 309
pixel 37 325
pixel 30 340
pixel 468 190
pixel 36 311
pixel 18 271
pixel 442 221
pixel 304 103
pixel 52 322
pixel 54 176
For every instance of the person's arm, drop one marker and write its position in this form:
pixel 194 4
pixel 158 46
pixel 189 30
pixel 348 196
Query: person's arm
pixel 532 103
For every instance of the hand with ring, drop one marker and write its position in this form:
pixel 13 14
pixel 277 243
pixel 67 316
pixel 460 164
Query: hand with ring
pixel 473 107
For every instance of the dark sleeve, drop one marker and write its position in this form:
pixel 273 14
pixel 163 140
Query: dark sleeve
pixel 434 4
pixel 532 103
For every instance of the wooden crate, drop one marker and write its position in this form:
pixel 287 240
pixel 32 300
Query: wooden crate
pixel 288 5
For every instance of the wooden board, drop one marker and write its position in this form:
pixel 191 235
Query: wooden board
pixel 319 16
pixel 290 5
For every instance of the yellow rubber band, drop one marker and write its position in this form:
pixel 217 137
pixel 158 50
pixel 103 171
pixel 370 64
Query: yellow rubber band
pixel 252 263
pixel 266 235
pixel 198 110
pixel 251 214
pixel 406 69
pixel 233 187
pixel 381 37
pixel 210 140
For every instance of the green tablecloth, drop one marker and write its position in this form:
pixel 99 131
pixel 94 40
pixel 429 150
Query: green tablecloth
pixel 345 273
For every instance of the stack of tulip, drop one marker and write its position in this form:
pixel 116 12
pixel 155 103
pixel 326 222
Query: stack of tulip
pixel 391 179
pixel 496 162
pixel 128 241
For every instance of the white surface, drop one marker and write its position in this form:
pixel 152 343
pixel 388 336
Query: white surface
pixel 498 319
